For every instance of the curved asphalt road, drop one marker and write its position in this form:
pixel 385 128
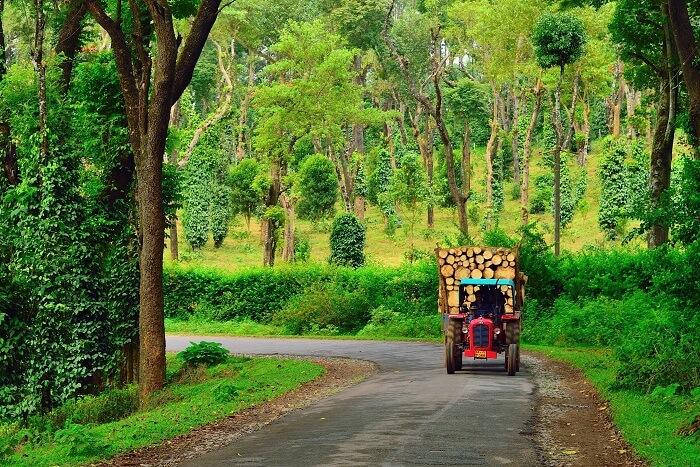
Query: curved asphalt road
pixel 411 413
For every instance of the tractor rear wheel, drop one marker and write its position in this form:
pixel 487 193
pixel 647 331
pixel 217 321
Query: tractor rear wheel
pixel 512 359
pixel 517 360
pixel 453 356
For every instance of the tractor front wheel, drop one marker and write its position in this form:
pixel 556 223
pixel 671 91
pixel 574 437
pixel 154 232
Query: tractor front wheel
pixel 453 356
pixel 512 359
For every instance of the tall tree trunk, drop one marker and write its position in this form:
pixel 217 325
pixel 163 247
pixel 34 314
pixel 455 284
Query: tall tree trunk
pixel 491 150
pixel 270 224
pixel 288 249
pixel 37 54
pixel 559 131
pixel 687 48
pixel 3 54
pixel 245 104
pixel 466 163
pixel 615 100
pixel 515 147
pixel 148 100
pixel 174 247
pixel 571 113
pixel 664 131
pixel 69 39
pixel 527 150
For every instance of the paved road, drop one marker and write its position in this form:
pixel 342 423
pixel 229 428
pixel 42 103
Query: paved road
pixel 410 413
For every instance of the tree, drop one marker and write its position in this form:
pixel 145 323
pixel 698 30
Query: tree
pixel 150 85
pixel 686 44
pixel 643 33
pixel 433 106
pixel 559 39
pixel 409 189
pixel 317 187
pixel 246 196
pixel 310 93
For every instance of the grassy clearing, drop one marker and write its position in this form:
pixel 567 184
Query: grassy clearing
pixel 192 398
pixel 650 423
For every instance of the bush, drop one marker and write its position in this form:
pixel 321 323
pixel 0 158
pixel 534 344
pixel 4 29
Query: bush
pixel 205 353
pixel 347 241
pixel 324 309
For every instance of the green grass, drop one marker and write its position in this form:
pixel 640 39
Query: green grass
pixel 193 399
pixel 650 423
pixel 207 327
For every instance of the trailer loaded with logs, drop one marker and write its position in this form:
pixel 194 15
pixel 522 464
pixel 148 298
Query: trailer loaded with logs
pixel 480 298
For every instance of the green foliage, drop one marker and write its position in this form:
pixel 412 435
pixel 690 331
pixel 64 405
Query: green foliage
pixel 326 309
pixel 220 213
pixel 204 353
pixel 79 440
pixel 302 247
pixel 559 39
pixel 317 186
pixel 682 202
pixel 379 183
pixel 624 192
pixel 347 241
pixel 207 200
pixel 246 194
pixel 68 270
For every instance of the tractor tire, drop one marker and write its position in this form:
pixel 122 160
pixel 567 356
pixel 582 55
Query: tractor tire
pixel 513 333
pixel 453 356
pixel 517 360
pixel 512 359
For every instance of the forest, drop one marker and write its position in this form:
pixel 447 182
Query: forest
pixel 139 138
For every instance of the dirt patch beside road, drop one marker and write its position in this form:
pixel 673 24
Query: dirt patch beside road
pixel 573 426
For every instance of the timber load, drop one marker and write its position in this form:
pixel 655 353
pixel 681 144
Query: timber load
pixel 477 262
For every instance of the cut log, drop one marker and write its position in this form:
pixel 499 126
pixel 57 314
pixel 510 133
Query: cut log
pixel 449 280
pixel 497 259
pixel 471 298
pixel 487 254
pixel 441 261
pixel 511 257
pixel 447 270
pixel 470 252
pixel 479 259
pixel 509 308
pixel 450 259
pixel 488 273
pixel 505 273
pixel 469 289
pixel 442 254
pixel 476 274
pixel 453 298
pixel 461 273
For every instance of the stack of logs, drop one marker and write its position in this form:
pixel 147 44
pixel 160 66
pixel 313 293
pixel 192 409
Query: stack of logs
pixel 476 262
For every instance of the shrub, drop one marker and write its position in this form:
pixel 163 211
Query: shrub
pixel 326 309
pixel 347 241
pixel 205 353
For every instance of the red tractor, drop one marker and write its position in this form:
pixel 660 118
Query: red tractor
pixel 486 325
